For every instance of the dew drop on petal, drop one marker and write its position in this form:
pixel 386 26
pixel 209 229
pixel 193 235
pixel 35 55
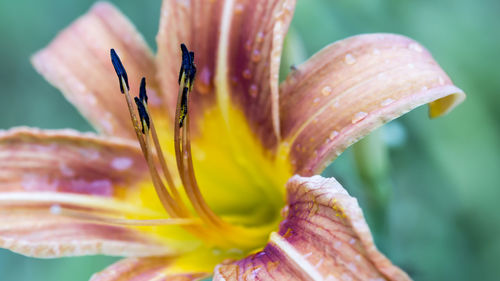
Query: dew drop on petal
pixel 121 163
pixel 415 47
pixel 386 102
pixel 333 135
pixel 376 51
pixel 349 59
pixel 55 209
pixel 253 90
pixel 316 100
pixel 359 116
pixel 326 91
pixel 238 8
pixel 260 37
pixel 411 65
pixel 247 74
pixel 441 80
pixel 425 88
pixel 256 55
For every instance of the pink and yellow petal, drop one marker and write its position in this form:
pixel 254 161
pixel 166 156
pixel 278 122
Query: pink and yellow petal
pixel 144 269
pixel 352 87
pixel 37 232
pixel 237 46
pixel 196 24
pixel 77 62
pixel 249 60
pixel 33 160
pixel 323 237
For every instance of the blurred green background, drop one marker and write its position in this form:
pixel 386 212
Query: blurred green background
pixel 443 219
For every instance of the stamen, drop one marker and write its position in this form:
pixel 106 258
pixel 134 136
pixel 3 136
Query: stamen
pixel 167 202
pixel 143 114
pixel 170 183
pixel 120 70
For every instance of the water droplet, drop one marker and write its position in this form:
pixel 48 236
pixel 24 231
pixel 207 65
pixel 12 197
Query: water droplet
pixel 335 105
pixel 376 51
pixel 238 8
pixel 411 65
pixel 248 45
pixel 253 90
pixel 326 91
pixel 121 163
pixel 260 37
pixel 55 209
pixel 386 102
pixel 425 88
pixel 359 116
pixel 333 135
pixel 256 55
pixel 441 80
pixel 349 59
pixel 278 26
pixel 316 100
pixel 352 241
pixel 247 74
pixel 415 47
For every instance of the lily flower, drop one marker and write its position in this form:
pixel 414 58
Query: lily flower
pixel 216 173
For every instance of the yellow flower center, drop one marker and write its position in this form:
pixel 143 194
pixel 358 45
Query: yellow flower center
pixel 227 188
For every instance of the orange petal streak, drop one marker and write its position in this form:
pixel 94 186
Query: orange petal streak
pixel 323 237
pixel 352 87
pixel 77 62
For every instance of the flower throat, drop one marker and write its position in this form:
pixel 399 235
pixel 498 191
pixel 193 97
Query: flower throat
pixel 204 222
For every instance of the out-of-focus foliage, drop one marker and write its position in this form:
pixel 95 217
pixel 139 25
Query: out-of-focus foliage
pixel 443 218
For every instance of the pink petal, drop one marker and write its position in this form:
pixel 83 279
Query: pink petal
pixel 354 86
pixel 33 160
pixel 237 48
pixel 323 237
pixel 78 62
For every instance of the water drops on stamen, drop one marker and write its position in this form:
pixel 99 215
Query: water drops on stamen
pixel 415 47
pixel 327 90
pixel 247 74
pixel 387 101
pixel 359 116
pixel 256 55
pixel 349 59
pixel 253 91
